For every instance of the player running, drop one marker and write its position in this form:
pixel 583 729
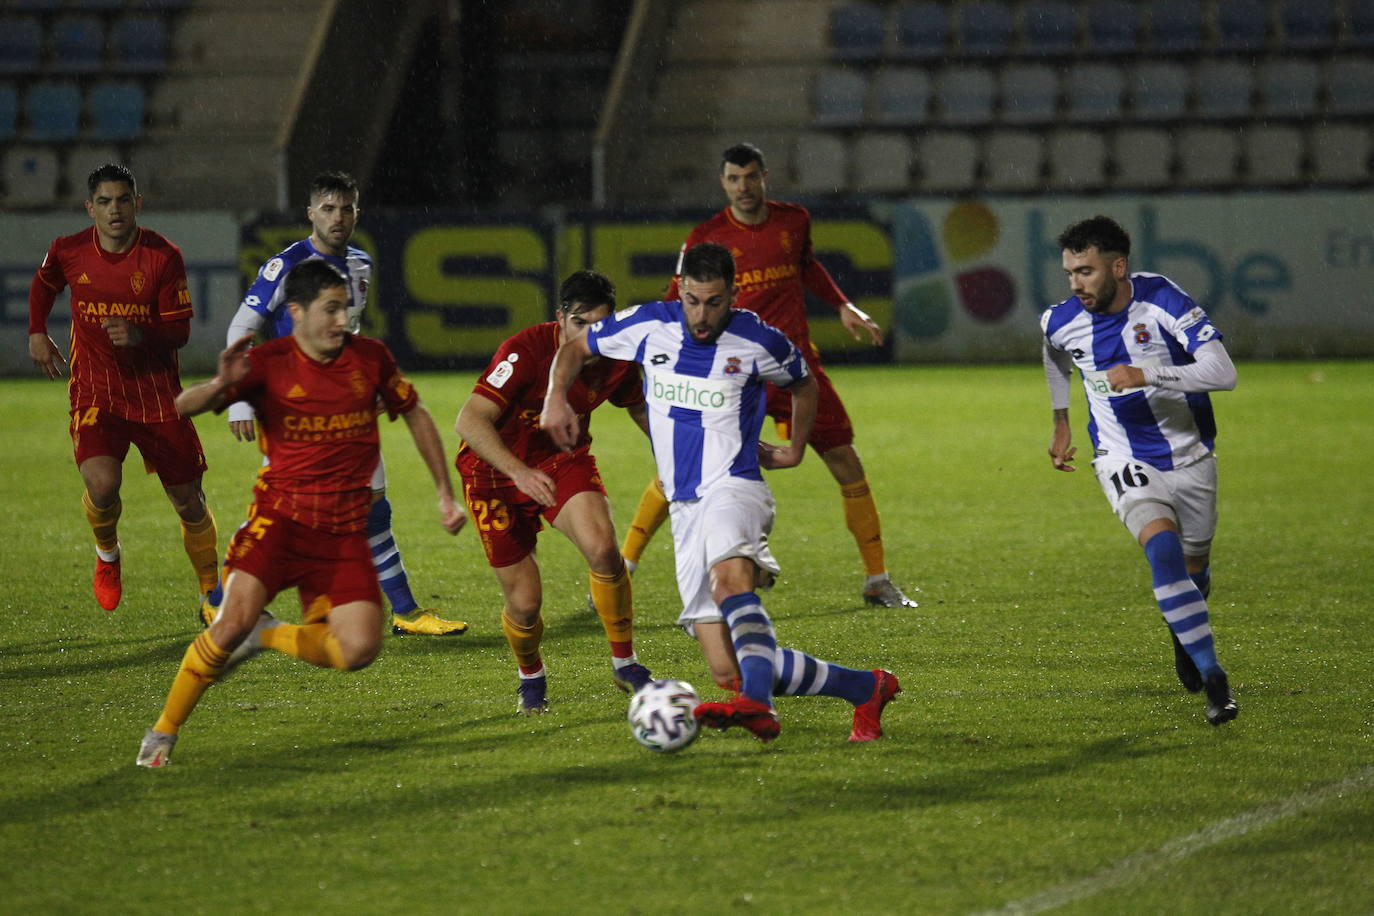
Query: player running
pixel 333 214
pixel 771 242
pixel 514 478
pixel 131 313
pixel 1148 356
pixel 316 393
pixel 706 365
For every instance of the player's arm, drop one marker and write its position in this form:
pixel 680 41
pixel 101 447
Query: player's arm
pixel 558 418
pixel 246 321
pixel 1211 371
pixel 818 281
pixel 48 281
pixel 477 426
pixel 640 414
pixel 1058 372
pixel 431 449
pixel 805 396
pixel 234 366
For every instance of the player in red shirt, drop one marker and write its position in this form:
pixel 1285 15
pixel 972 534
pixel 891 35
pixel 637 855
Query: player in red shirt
pixel 131 312
pixel 316 395
pixel 771 242
pixel 515 478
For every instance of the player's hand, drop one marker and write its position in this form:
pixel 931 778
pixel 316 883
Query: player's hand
pixel 451 515
pixel 243 430
pixel 535 484
pixel 1119 378
pixel 45 355
pixel 122 333
pixel 857 323
pixel 234 362
pixel 1061 452
pixel 559 420
pixel 774 457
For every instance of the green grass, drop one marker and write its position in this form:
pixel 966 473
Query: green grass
pixel 1042 752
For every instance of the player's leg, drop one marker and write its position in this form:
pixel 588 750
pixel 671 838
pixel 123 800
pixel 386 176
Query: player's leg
pixel 173 450
pixel 406 614
pixel 199 536
pixel 102 476
pixel 585 519
pixel 649 516
pixel 523 624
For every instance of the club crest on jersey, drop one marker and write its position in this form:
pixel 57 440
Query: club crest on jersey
pixel 785 240
pixel 732 365
pixel 358 383
pixel 1142 334
pixel 138 281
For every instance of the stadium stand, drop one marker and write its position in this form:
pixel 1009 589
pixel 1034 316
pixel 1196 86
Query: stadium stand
pixel 946 161
pixel 115 111
pixel 1340 153
pixel 1289 88
pixel 921 30
pixel 21 44
pixel 1050 28
pixel 901 97
pixel 1208 156
pixel 858 31
pixel 1359 24
pixel 138 44
pixel 1029 93
pixel 881 163
pixel 78 44
pixel 1076 160
pixel 985 28
pixel 1158 90
pixel 1273 155
pixel 1225 89
pixel 964 93
pixel 1143 157
pixel 821 162
pixel 1113 27
pixel 9 111
pixel 839 97
pixel 1093 93
pixel 1350 87
pixel 1175 26
pixel 1308 25
pixel 1242 25
pixel 31 175
pixel 1014 160
pixel 52 109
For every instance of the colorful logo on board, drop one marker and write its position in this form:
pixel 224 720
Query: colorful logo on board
pixel 938 272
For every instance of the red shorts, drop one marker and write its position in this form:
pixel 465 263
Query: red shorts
pixel 281 553
pixel 508 521
pixel 832 428
pixel 170 448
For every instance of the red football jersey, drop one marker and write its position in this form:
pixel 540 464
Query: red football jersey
pixel 517 379
pixel 774 266
pixel 319 427
pixel 146 285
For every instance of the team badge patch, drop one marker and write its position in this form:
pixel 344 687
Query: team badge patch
pixel 1142 334
pixel 138 281
pixel 358 383
pixel 732 365
pixel 503 371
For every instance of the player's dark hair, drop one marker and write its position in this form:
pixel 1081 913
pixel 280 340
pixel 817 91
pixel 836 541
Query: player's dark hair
pixel 110 171
pixel 708 261
pixel 1101 232
pixel 742 154
pixel 584 290
pixel 309 278
pixel 333 183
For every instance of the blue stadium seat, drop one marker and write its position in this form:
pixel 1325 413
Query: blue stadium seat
pixel 31 174
pixel 21 44
pixel 965 95
pixel 1094 93
pixel 901 96
pixel 1029 93
pixel 116 110
pixel 53 111
pixel 922 30
pixel 1242 25
pixel 839 97
pixel 1225 89
pixel 985 28
pixel 1113 27
pixel 139 43
pixel 1308 25
pixel 1176 26
pixel 1359 23
pixel 857 31
pixel 1050 27
pixel 78 44
pixel 1289 88
pixel 9 112
pixel 1350 86
pixel 1159 90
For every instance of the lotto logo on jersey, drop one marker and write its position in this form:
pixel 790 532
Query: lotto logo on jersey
pixel 693 393
pixel 937 271
pixel 503 371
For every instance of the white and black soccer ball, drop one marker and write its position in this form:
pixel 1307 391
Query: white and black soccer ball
pixel 661 716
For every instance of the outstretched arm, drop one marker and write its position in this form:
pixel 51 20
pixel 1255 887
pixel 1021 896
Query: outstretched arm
pixel 431 449
pixel 246 320
pixel 558 419
pixel 234 366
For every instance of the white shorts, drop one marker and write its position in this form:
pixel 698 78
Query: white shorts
pixel 1190 493
pixel 733 519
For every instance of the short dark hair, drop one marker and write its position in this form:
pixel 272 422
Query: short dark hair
pixel 333 183
pixel 308 279
pixel 110 171
pixel 1100 232
pixel 708 261
pixel 742 154
pixel 586 288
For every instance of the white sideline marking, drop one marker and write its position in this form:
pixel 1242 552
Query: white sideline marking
pixel 1135 865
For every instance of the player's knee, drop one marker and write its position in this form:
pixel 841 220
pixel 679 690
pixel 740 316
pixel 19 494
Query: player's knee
pixel 358 653
pixel 1147 517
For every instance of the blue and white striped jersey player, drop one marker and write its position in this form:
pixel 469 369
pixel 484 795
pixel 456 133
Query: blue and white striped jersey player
pixel 1148 356
pixel 706 368
pixel 333 214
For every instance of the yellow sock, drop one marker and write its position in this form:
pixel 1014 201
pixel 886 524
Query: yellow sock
pixel 104 522
pixel 312 642
pixel 611 597
pixel 861 515
pixel 201 666
pixel 524 642
pixel 650 515
pixel 199 539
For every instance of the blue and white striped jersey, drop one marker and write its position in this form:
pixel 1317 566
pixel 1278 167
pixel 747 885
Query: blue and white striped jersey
pixel 1162 326
pixel 706 401
pixel 267 294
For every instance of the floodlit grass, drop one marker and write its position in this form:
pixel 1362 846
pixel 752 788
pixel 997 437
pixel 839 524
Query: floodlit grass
pixel 1042 754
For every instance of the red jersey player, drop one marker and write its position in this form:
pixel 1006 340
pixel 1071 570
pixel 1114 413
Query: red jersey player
pixel 316 394
pixel 771 243
pixel 515 478
pixel 131 312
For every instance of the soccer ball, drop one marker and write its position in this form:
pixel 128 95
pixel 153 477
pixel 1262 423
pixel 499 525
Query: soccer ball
pixel 661 715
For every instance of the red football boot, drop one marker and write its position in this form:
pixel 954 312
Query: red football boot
pixel 758 717
pixel 867 715
pixel 107 585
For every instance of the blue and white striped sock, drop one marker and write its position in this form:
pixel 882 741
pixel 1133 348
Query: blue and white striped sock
pixel 1184 608
pixel 799 674
pixel 756 644
pixel 386 557
pixel 1203 581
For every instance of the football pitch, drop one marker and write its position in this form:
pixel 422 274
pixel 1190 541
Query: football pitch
pixel 1041 758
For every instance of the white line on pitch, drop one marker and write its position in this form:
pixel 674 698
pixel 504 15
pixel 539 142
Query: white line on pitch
pixel 1136 865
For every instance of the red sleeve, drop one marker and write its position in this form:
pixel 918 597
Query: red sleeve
pixel 817 279
pixel 512 370
pixel 167 335
pixel 397 392
pixel 630 391
pixel 48 281
pixel 173 296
